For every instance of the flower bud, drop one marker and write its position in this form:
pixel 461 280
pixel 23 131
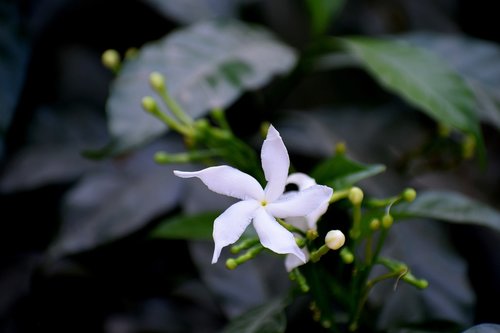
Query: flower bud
pixel 149 104
pixel 231 263
pixel 157 81
pixel 355 195
pixel 340 148
pixel 312 234
pixel 409 194
pixel 375 224
pixel 469 147
pixel 334 239
pixel 111 59
pixel 346 256
pixel 387 221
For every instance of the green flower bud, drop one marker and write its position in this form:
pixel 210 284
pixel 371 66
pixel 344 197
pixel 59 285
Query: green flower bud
pixel 387 221
pixel 346 255
pixel 375 224
pixel 149 104
pixel 312 234
pixel 469 147
pixel 409 194
pixel 157 81
pixel 334 239
pixel 340 148
pixel 231 263
pixel 355 195
pixel 111 59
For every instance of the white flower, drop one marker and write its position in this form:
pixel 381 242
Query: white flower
pixel 259 205
pixel 307 222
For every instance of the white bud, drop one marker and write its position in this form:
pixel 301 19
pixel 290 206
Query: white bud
pixel 334 239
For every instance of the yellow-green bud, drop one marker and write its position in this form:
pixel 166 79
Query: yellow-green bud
pixel 149 104
pixel 387 221
pixel 131 53
pixel 375 224
pixel 312 234
pixel 346 256
pixel 409 194
pixel 469 147
pixel 231 263
pixel 157 81
pixel 334 239
pixel 111 59
pixel 355 195
pixel 340 148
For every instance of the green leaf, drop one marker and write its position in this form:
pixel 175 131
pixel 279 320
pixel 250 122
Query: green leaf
pixel 419 77
pixel 197 226
pixel 478 62
pixel 340 172
pixel 449 207
pixel 322 12
pixel 266 318
pixel 206 65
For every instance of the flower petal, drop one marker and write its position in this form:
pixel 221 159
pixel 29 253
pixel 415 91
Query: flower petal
pixel 292 261
pixel 273 236
pixel 229 226
pixel 312 218
pixel 275 163
pixel 228 181
pixel 300 179
pixel 302 204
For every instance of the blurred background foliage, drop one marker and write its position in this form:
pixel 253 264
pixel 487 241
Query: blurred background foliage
pixel 75 234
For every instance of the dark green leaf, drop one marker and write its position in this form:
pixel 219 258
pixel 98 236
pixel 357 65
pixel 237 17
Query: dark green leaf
pixel 420 78
pixel 322 13
pixel 478 62
pixel 267 318
pixel 340 172
pixel 206 65
pixel 197 226
pixel 484 328
pixel 114 202
pixel 449 207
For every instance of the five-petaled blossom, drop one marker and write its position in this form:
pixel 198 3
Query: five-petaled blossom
pixel 258 205
pixel 307 222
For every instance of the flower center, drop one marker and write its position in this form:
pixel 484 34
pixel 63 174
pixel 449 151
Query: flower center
pixel 263 203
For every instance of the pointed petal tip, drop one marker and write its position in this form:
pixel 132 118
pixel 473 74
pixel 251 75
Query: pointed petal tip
pixel 216 255
pixel 183 174
pixel 272 132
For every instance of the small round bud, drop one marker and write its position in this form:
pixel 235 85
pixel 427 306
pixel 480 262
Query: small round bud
pixel 111 59
pixel 340 148
pixel 409 194
pixel 355 195
pixel 157 81
pixel 231 263
pixel 469 147
pixel 149 104
pixel 346 256
pixel 387 221
pixel 334 239
pixel 312 234
pixel 131 53
pixel 422 284
pixel 375 224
